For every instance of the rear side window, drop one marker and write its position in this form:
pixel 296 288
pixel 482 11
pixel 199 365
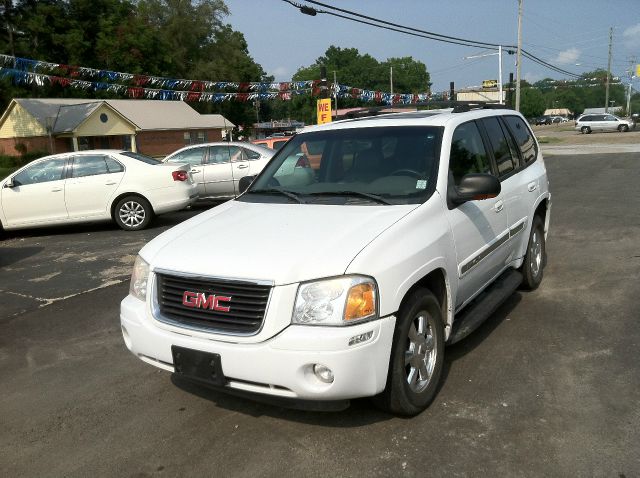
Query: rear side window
pixel 467 152
pixel 89 165
pixel 523 137
pixel 501 151
pixel 114 166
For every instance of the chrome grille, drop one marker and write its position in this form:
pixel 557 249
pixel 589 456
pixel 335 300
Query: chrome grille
pixel 247 306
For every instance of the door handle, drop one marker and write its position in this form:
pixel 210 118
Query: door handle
pixel 56 190
pixel 532 186
pixel 110 183
pixel 242 166
pixel 499 206
pixel 195 170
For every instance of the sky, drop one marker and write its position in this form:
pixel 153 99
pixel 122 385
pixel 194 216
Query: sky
pixel 571 34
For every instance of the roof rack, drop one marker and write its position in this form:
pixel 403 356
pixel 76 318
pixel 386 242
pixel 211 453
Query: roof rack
pixel 457 107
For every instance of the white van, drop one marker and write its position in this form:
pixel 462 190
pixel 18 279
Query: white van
pixel 346 279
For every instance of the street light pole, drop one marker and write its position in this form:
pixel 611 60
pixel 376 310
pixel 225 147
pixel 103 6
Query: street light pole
pixel 501 101
pixel 519 55
pixel 499 53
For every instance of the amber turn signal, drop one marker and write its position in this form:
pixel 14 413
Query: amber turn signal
pixel 361 302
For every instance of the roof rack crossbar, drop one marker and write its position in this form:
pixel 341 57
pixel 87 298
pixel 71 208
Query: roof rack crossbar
pixel 458 107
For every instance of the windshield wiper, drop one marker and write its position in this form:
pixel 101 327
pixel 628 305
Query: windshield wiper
pixel 282 192
pixel 372 197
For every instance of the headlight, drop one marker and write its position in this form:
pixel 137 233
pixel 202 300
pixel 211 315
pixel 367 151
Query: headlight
pixel 139 279
pixel 340 301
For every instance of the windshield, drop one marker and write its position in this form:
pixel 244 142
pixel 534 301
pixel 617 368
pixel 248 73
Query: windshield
pixel 378 165
pixel 141 157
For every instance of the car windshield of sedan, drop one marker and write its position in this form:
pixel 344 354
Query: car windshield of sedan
pixel 376 165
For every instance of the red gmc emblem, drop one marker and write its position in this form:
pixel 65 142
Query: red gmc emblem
pixel 198 300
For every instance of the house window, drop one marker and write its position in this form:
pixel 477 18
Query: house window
pixel 202 137
pixel 187 138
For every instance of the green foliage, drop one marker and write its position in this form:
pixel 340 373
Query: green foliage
pixel 172 38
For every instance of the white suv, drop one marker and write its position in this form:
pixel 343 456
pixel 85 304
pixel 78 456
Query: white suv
pixel 347 279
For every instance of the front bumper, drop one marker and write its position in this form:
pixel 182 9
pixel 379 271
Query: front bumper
pixel 281 366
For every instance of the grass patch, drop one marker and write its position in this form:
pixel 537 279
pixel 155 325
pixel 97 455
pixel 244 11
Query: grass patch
pixel 549 140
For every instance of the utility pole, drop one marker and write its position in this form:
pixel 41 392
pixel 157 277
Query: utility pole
pixel 632 63
pixel 335 92
pixel 606 96
pixel 519 55
pixel 391 82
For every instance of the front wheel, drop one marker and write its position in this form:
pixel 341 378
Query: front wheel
pixel 133 213
pixel 535 258
pixel 417 356
pixel 623 128
pixel 585 130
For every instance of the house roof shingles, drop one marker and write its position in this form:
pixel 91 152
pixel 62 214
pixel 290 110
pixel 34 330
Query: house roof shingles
pixel 145 114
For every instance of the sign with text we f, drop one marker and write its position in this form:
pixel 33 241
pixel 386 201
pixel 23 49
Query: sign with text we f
pixel 324 111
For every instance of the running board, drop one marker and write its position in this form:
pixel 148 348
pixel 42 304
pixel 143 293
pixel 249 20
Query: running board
pixel 484 305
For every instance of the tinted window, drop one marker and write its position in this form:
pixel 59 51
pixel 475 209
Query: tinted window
pixel 192 156
pixel 467 152
pixel 278 144
pixel 42 172
pixel 114 166
pixel 89 165
pixel 501 151
pixel 609 118
pixel 523 137
pixel 141 157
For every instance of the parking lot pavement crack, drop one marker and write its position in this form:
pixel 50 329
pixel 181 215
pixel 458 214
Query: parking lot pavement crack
pixel 44 301
pixel 101 286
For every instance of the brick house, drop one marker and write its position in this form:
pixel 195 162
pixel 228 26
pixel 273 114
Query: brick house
pixel 152 127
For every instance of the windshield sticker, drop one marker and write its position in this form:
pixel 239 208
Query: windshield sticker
pixel 421 184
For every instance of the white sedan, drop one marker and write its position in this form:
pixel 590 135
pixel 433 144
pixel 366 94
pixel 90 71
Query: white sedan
pixel 217 168
pixel 128 188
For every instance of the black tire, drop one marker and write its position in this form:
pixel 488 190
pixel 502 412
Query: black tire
pixel 536 257
pixel 400 397
pixel 585 130
pixel 623 128
pixel 133 213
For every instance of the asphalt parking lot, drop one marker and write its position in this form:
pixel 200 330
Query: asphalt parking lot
pixel 549 386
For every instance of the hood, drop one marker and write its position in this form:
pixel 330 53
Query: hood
pixel 283 243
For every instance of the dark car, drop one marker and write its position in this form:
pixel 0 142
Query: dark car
pixel 543 120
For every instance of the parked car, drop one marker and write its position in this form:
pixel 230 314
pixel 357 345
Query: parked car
pixel 128 188
pixel 543 120
pixel 413 230
pixel 602 122
pixel 218 167
pixel 273 142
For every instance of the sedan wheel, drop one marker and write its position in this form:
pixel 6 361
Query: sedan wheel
pixel 133 213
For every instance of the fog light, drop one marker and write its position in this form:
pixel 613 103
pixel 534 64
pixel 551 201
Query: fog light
pixel 125 336
pixel 358 339
pixel 323 373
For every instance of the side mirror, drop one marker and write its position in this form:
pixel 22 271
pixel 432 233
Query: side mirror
pixel 244 183
pixel 474 187
pixel 10 184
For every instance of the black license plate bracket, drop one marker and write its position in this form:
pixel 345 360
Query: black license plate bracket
pixel 195 364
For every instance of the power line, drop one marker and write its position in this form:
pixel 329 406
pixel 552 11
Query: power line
pixel 421 33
